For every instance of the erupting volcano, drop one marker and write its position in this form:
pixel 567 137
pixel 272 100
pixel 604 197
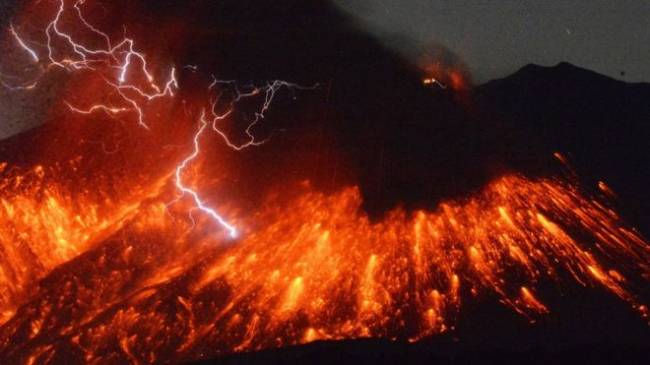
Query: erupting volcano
pixel 151 219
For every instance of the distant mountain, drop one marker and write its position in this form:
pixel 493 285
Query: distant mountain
pixel 601 124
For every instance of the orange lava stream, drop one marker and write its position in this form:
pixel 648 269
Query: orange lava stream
pixel 315 267
pixel 44 225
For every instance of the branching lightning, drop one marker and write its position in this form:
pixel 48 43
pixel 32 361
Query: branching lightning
pixel 125 61
pixel 195 196
pixel 268 91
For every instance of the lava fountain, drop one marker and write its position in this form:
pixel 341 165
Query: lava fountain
pixel 125 253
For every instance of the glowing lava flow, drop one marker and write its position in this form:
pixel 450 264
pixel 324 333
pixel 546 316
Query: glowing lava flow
pixel 45 224
pixel 317 268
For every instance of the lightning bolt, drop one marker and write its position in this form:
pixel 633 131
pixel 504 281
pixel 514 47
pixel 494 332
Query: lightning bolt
pixel 120 57
pixel 22 44
pixel 268 91
pixel 195 196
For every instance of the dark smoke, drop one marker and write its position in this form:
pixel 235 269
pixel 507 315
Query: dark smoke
pixel 371 121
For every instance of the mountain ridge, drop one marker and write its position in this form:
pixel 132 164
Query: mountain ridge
pixel 600 123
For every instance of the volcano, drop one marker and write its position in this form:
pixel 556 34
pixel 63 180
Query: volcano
pixel 263 181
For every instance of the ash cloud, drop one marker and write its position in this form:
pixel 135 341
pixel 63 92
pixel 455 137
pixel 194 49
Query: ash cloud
pixel 371 122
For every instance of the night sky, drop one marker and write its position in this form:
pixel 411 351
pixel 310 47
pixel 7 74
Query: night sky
pixel 496 38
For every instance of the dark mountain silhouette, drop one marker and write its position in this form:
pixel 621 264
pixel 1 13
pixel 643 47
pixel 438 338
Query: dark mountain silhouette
pixel 601 124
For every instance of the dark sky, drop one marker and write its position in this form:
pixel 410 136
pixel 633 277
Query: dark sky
pixel 495 38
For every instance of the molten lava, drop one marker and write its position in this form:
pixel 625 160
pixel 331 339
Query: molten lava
pixel 100 269
pixel 314 267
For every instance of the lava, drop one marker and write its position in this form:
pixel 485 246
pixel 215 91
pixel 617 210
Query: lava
pixel 315 267
pixel 99 266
